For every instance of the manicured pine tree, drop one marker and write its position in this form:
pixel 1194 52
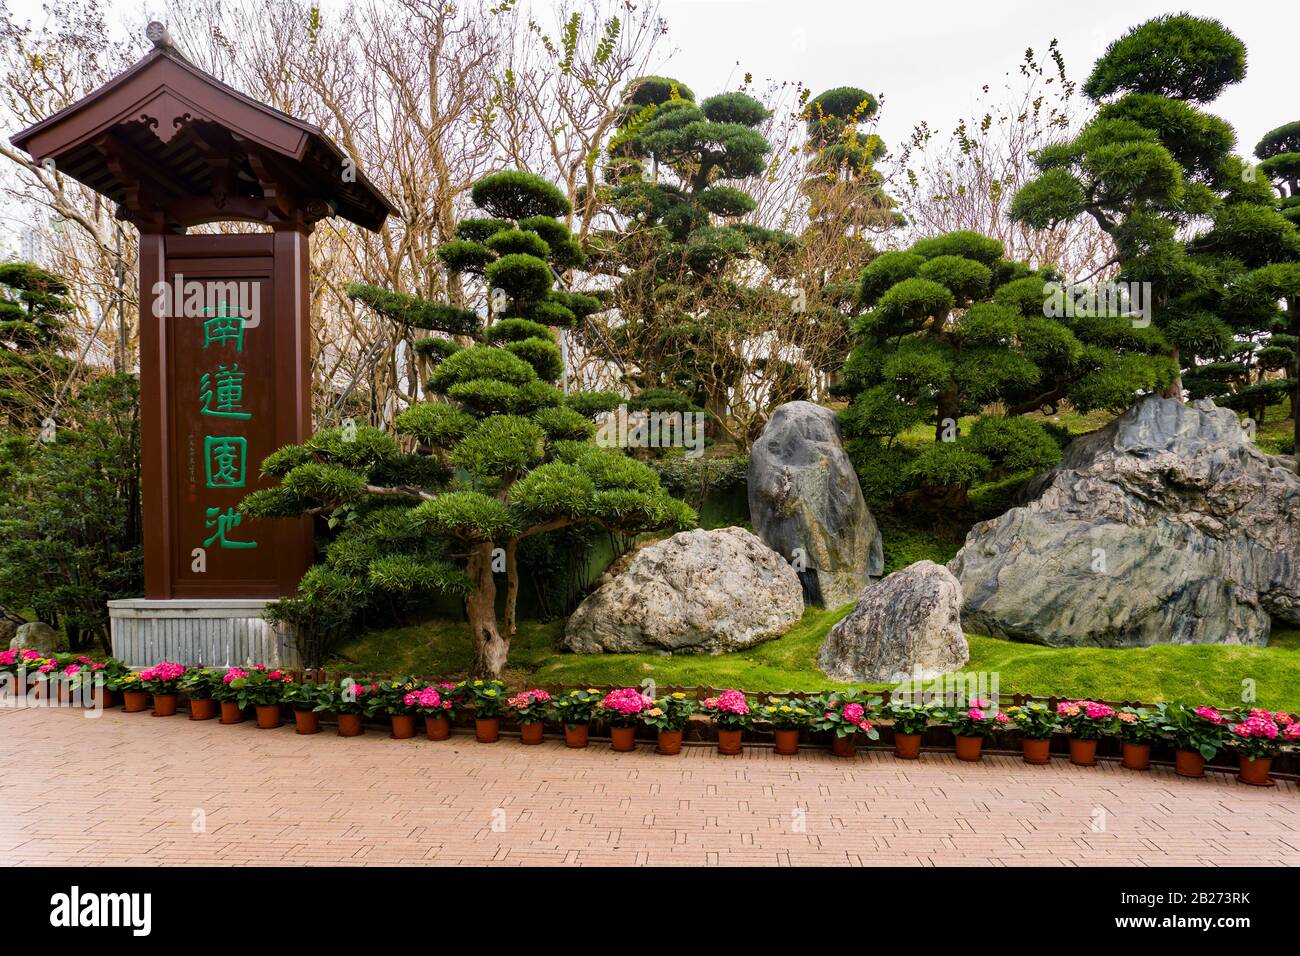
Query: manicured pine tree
pixel 951 326
pixel 686 311
pixel 499 453
pixel 1150 168
pixel 33 339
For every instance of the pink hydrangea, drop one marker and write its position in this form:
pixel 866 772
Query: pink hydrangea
pixel 31 655
pixel 428 698
pixel 164 671
pixel 8 657
pixel 626 701
pixel 72 669
pixel 1001 718
pixel 234 674
pixel 1210 714
pixel 853 712
pixel 1262 727
pixel 1292 731
pixel 525 698
pixel 728 702
pixel 976 714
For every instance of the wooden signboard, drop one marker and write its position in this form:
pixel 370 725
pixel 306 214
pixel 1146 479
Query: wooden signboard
pixel 224 319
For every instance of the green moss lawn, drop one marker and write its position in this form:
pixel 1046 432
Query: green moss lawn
pixel 1202 674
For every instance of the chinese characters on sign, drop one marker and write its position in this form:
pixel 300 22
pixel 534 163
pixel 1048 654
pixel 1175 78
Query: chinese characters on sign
pixel 221 396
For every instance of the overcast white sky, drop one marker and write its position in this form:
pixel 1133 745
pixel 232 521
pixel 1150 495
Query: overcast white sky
pixel 931 58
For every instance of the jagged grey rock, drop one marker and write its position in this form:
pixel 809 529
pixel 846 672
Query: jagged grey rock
pixel 35 636
pixel 906 625
pixel 698 592
pixel 1165 527
pixel 804 498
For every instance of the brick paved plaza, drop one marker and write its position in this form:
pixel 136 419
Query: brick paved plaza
pixel 133 789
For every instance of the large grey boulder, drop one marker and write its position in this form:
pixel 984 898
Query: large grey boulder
pixel 8 630
pixel 905 626
pixel 806 504
pixel 1165 527
pixel 698 592
pixel 35 636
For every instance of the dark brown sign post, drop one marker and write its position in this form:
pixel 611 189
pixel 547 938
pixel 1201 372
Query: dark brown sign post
pixel 225 344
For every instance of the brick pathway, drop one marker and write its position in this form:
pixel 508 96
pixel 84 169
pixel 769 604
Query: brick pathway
pixel 133 789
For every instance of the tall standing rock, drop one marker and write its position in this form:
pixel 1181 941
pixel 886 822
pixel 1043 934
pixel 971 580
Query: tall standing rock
pixel 1165 527
pixel 806 504
pixel 36 636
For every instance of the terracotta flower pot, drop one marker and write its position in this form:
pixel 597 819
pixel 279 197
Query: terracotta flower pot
pixel 350 725
pixel 63 692
pixel 203 708
pixel 1136 756
pixel 103 697
pixel 1254 771
pixel 1189 763
pixel 306 722
pixel 1083 753
pixel 623 738
pixel 136 701
pixel 843 746
pixel 1037 751
pixel 787 742
pixel 403 726
pixel 437 728
pixel 231 712
pixel 969 748
pixel 728 741
pixel 269 716
pixel 487 730
pixel 164 705
pixel 907 746
pixel 575 735
pixel 670 742
pixel 531 733
pixel 20 684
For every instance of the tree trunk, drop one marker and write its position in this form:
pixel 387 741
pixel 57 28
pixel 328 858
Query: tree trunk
pixel 1175 388
pixel 512 589
pixel 947 405
pixel 490 648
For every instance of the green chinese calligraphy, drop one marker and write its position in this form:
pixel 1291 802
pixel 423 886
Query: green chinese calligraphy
pixel 224 459
pixel 223 522
pixel 222 393
pixel 223 328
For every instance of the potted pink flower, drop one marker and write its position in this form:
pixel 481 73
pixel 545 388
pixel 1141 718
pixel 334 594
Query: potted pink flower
pixel 163 680
pixel 529 708
pixel 731 714
pixel 845 715
pixel 1257 739
pixel 1084 721
pixel 622 711
pixel 436 705
pixel 971 724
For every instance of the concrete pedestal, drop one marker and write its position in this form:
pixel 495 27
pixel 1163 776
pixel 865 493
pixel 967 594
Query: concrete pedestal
pixel 199 633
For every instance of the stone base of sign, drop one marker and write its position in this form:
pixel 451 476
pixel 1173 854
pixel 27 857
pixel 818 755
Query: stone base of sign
pixel 216 633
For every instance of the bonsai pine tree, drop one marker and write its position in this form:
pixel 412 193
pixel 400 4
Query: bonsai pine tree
pixel 949 327
pixel 1150 167
pixel 33 337
pixel 844 190
pixel 495 455
pixel 1279 152
pixel 681 257
pixel 1260 291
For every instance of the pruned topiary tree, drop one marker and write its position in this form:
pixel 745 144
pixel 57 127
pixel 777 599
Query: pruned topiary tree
pixel 495 455
pixel 1152 166
pixel 949 327
pixel 33 337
